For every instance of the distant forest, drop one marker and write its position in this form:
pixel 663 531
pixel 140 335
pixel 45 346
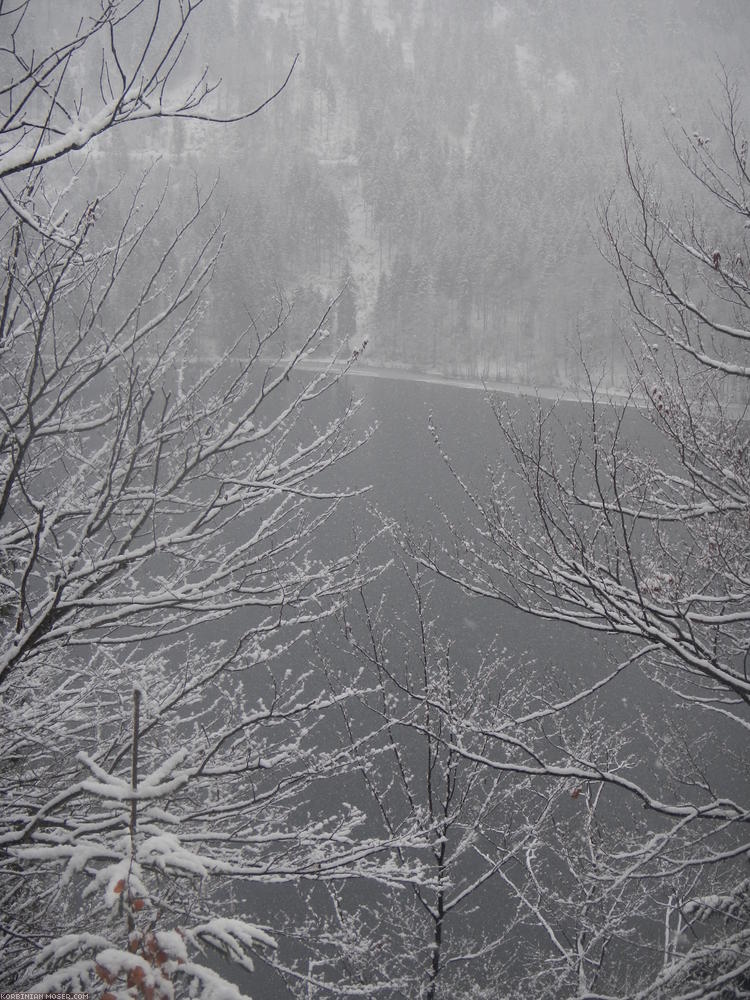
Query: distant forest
pixel 439 165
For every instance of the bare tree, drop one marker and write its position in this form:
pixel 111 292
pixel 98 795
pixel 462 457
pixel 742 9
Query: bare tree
pixel 158 517
pixel 635 525
pixel 448 934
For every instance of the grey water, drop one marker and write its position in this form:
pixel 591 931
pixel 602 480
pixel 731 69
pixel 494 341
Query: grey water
pixel 409 483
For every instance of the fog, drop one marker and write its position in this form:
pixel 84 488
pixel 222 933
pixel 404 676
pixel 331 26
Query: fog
pixel 374 499
pixel 436 165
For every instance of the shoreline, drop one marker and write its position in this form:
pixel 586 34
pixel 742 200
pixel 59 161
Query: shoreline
pixel 611 396
pixel 516 389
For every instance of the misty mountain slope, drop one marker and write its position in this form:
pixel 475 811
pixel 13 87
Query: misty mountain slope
pixel 447 157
